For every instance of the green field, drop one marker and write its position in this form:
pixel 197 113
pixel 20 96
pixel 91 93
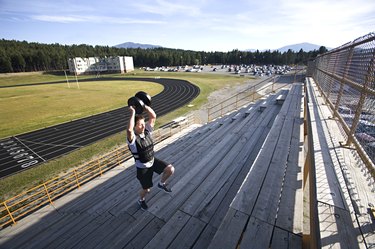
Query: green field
pixel 27 108
pixel 33 107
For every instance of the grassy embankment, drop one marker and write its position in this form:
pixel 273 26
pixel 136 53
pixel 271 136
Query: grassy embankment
pixel 28 108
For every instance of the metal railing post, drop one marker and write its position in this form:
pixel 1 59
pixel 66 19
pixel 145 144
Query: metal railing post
pixel 9 213
pixel 100 169
pixel 49 197
pixel 76 175
pixel 118 156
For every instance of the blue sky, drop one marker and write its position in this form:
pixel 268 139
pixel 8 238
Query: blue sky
pixel 208 25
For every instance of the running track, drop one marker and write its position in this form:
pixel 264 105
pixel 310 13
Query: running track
pixel 27 150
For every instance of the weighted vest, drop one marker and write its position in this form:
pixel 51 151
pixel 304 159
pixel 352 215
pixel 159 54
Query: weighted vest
pixel 145 148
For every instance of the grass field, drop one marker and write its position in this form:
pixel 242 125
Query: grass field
pixel 34 107
pixel 27 108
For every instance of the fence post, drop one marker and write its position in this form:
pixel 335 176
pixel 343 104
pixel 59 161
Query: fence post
pixel 76 175
pixel 100 169
pixel 10 214
pixel 49 197
pixel 118 156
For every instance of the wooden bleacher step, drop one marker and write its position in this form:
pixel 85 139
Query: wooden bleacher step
pixel 215 178
pixel 255 212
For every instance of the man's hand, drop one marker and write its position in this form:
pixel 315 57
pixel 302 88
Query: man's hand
pixel 132 109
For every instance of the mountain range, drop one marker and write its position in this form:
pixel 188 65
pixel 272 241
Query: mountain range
pixel 305 46
pixel 136 45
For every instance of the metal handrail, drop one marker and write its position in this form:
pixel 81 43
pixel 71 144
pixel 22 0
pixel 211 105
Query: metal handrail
pixel 234 102
pixel 31 200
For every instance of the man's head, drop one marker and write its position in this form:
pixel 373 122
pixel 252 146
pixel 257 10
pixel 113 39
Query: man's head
pixel 139 124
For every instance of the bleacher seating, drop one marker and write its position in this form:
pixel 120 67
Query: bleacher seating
pixel 238 184
pixel 267 210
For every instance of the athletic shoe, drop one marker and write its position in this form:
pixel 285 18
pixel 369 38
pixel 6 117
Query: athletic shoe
pixel 142 204
pixel 164 187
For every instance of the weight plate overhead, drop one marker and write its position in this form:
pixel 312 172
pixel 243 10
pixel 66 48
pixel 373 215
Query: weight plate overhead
pixel 144 97
pixel 137 104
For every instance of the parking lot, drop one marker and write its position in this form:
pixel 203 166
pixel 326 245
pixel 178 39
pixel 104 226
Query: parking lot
pixel 242 70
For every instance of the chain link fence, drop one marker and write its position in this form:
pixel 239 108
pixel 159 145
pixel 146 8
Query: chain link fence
pixel 345 76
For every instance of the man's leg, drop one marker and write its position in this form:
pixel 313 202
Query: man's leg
pixel 143 193
pixel 167 172
pixel 145 178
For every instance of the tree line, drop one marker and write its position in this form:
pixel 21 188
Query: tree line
pixel 22 56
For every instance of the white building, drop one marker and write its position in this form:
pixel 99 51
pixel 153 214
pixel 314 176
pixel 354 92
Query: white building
pixel 94 65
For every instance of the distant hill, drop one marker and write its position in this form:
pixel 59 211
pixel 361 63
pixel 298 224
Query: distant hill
pixel 136 45
pixel 306 47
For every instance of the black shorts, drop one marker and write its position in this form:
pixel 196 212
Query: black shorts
pixel 145 175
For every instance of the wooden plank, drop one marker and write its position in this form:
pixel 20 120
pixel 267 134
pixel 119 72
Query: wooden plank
pixel 249 110
pixel 124 233
pixel 183 165
pixel 90 193
pixel 237 116
pixel 74 222
pixel 226 144
pixel 205 238
pixel 267 202
pixel 257 234
pixel 212 184
pixel 169 231
pixel 93 238
pixel 281 151
pixel 217 208
pixel 135 230
pixel 30 226
pixel 246 197
pixel 188 235
pixel 282 239
pixel 263 106
pixel 71 233
pixel 213 209
pixel 145 235
pixel 234 158
pixel 166 205
pixel 336 227
pixel 70 238
pixel 35 233
pixel 290 213
pixel 281 98
pixel 328 189
pixel 230 231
